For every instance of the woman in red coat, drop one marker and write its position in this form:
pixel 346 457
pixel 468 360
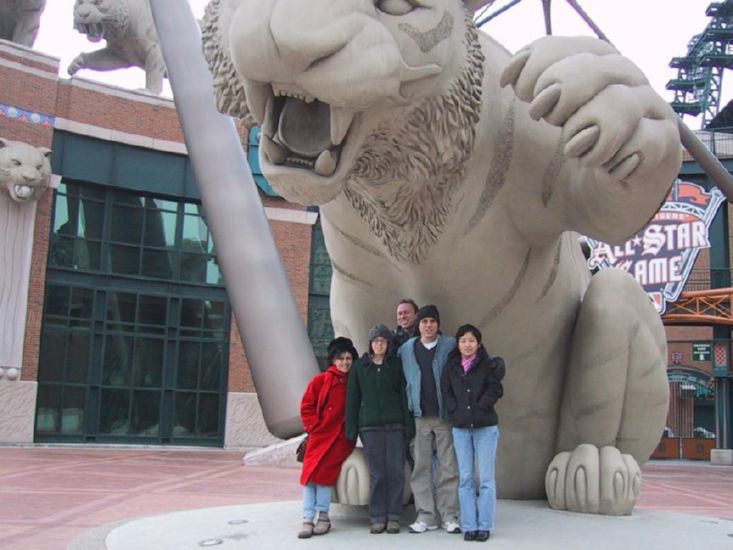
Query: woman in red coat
pixel 323 413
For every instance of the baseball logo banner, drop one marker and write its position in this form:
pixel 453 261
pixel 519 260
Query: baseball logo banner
pixel 661 256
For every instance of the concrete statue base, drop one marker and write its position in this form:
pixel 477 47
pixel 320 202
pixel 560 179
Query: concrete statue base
pixel 520 524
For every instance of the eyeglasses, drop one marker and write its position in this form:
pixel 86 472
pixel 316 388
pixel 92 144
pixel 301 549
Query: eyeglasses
pixel 345 357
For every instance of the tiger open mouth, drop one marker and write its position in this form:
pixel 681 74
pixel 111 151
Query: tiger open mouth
pixel 298 130
pixel 21 192
pixel 94 31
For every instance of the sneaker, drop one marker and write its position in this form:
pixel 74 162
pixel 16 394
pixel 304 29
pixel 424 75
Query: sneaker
pixel 306 531
pixel 470 535
pixel 323 525
pixel 482 536
pixel 377 527
pixel 452 527
pixel 393 527
pixel 421 527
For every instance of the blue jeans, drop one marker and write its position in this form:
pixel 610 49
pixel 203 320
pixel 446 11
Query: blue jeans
pixel 316 498
pixel 477 444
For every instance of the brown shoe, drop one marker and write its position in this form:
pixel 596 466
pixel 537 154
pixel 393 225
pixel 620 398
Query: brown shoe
pixel 323 526
pixel 306 531
pixel 393 527
pixel 377 528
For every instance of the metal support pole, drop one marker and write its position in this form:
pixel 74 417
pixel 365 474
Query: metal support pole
pixel 277 346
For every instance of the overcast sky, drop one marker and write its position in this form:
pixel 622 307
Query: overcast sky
pixel 650 32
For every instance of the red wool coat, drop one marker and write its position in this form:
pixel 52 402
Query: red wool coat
pixel 323 413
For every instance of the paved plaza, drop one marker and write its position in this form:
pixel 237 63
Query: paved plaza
pixel 55 497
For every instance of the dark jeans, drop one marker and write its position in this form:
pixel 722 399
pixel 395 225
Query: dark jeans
pixel 385 452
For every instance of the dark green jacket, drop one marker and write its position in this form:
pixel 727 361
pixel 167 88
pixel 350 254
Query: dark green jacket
pixel 376 396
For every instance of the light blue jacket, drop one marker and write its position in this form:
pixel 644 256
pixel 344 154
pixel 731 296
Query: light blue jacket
pixel 413 375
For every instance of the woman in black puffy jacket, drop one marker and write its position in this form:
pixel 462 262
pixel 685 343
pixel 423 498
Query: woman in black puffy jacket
pixel 471 385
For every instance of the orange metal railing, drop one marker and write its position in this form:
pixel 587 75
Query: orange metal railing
pixel 704 307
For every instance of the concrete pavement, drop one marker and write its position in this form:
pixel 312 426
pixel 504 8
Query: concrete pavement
pixel 51 498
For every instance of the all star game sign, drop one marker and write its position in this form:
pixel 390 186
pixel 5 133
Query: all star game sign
pixel 660 256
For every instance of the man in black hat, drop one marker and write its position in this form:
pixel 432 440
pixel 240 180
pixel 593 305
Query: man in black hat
pixel 423 358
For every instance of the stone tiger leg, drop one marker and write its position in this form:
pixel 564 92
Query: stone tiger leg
pixel 615 402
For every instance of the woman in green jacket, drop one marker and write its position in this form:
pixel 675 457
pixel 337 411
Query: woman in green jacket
pixel 376 410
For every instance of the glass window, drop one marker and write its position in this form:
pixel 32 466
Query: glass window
pixel 185 416
pixel 118 352
pixel 160 228
pixel 91 219
pixel 161 204
pixel 127 224
pixel 211 365
pixel 208 418
pixel 57 300
pixel 61 214
pixel 114 414
pixel 47 408
pixel 195 234
pixel 192 313
pixel 148 369
pixel 81 303
pixel 188 365
pixel 215 316
pixel 136 235
pixel 145 417
pixel 121 307
pixel 213 274
pixel 87 255
pixel 106 377
pixel 157 264
pixel 193 268
pixel 61 252
pixel 77 356
pixel 124 260
pixel 72 413
pixel 51 359
pixel 152 310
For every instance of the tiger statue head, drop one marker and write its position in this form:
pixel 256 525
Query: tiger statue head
pixel 25 171
pixel 335 86
pixel 101 19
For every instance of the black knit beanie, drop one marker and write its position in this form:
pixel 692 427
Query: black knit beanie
pixel 425 312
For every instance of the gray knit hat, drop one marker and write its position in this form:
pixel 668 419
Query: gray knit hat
pixel 380 330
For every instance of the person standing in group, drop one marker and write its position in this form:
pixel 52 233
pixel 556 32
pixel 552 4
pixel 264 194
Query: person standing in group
pixel 406 315
pixel 376 410
pixel 323 413
pixel 471 385
pixel 423 359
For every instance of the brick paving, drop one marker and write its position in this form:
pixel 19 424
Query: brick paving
pixel 49 496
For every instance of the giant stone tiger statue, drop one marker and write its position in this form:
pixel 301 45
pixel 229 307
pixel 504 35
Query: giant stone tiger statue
pixel 20 20
pixel 448 170
pixel 128 28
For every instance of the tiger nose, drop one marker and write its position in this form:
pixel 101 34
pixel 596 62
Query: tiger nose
pixel 319 31
pixel 83 11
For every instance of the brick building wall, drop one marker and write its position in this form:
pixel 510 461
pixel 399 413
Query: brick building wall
pixel 34 101
pixel 27 100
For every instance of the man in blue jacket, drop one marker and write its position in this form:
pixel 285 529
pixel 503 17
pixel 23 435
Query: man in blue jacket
pixel 423 359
